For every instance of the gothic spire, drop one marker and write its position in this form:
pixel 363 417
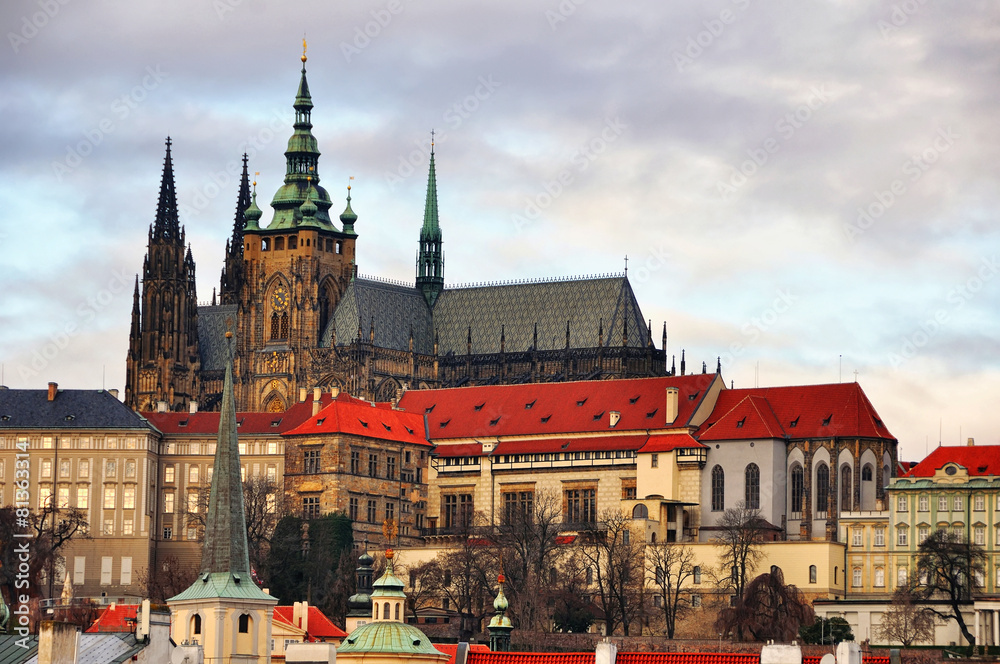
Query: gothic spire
pixel 225 548
pixel 430 259
pixel 167 225
pixel 240 220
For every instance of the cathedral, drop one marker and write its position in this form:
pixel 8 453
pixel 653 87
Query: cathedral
pixel 303 317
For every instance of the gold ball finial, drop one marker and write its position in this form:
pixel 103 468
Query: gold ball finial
pixel 229 334
pixel 389 553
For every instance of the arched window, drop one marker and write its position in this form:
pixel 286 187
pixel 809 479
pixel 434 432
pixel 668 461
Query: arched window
pixel 798 488
pixel 275 326
pixel 196 624
pixel 812 574
pixel 879 577
pixel 385 611
pixel 640 512
pixel 752 487
pixel 822 490
pixel 866 473
pixel 284 325
pixel 885 476
pixel 376 610
pixel 718 489
pixel 244 626
pixel 846 504
pixel 397 610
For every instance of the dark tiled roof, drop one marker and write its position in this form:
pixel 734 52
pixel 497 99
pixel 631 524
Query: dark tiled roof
pixel 205 422
pixel 516 308
pixel 394 310
pixel 11 653
pixel 212 335
pixel 71 409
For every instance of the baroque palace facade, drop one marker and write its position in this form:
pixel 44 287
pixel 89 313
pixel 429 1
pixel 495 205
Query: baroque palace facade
pixel 303 317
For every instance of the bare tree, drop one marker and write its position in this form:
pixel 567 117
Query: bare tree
pixel 529 552
pixel 768 610
pixel 742 533
pixel 616 558
pixel 951 567
pixel 905 622
pixel 49 529
pixel 671 565
pixel 167 577
pixel 466 577
pixel 423 588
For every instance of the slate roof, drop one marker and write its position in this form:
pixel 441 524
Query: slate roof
pixel 71 409
pixel 513 308
pixel 556 408
pixel 799 411
pixel 345 414
pixel 114 648
pixel 979 460
pixel 11 653
pixel 212 335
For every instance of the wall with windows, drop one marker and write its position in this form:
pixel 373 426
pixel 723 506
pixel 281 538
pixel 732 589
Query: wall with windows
pixel 743 471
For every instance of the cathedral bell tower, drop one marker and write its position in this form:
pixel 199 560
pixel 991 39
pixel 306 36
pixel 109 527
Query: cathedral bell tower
pixel 163 360
pixel 295 270
pixel 430 257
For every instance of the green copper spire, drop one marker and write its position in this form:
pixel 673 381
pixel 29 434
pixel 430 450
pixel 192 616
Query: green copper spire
pixel 347 217
pixel 430 258
pixel 225 548
pixel 500 626
pixel 301 164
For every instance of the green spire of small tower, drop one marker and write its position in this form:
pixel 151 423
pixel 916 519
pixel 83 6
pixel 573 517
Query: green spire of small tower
pixel 500 626
pixel 347 217
pixel 430 258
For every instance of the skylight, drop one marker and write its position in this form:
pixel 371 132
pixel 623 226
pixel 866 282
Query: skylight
pixel 651 414
pixel 528 405
pixel 363 423
pixel 480 406
pixel 826 420
pixel 582 401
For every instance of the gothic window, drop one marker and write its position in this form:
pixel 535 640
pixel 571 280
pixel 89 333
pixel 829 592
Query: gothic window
pixel 866 473
pixel 752 487
pixel 822 490
pixel 798 490
pixel 718 489
pixel 885 476
pixel 845 488
pixel 275 326
pixel 284 325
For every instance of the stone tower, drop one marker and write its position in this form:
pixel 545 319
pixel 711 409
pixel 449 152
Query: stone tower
pixel 163 359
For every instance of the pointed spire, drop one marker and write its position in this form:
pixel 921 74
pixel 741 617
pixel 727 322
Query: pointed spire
pixel 683 364
pixel 673 365
pixel 500 626
pixel 430 258
pixel 242 203
pixel 347 217
pixel 225 548
pixel 718 364
pixel 664 336
pixel 213 296
pixel 253 213
pixel 167 225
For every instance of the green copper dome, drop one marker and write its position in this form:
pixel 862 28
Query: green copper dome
pixel 253 215
pixel 388 637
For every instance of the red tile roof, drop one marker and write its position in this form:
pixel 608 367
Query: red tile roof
pixel 319 626
pixel 360 418
pixel 687 658
pixel 977 459
pixel 555 408
pixel 459 450
pixel 800 411
pixel 116 618
pixel 451 648
pixel 530 658
pixel 584 444
pixel 203 423
pixel 668 442
pixel 638 658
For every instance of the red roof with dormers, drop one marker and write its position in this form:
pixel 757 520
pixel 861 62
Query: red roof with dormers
pixel 668 442
pixel 319 626
pixel 206 423
pixel 800 411
pixel 637 443
pixel 115 618
pixel 977 459
pixel 358 417
pixel 556 408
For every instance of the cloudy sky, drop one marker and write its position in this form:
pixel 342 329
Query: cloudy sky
pixel 807 189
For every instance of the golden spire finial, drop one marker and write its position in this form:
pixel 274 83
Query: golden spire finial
pixel 349 180
pixel 303 49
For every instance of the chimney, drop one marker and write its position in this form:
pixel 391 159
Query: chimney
pixel 161 406
pixel 53 389
pixel 613 418
pixel 57 642
pixel 972 442
pixel 113 392
pixel 606 652
pixel 334 392
pixel 672 405
pixel 302 394
pixel 316 407
pixel 297 614
pixel 193 407
pixel 305 617
pixel 317 393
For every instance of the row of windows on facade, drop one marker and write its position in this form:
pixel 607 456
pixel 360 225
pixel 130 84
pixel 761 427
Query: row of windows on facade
pixel 252 448
pixel 957 530
pixel 924 577
pixel 279 243
pixel 957 502
pixel 107 569
pixel 579 506
pixel 74 442
pixel 751 486
pixel 110 468
pixel 311 463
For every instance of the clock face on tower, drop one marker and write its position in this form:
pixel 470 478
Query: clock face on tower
pixel 279 299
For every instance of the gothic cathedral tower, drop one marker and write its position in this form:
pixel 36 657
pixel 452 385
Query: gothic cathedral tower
pixel 163 360
pixel 295 270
